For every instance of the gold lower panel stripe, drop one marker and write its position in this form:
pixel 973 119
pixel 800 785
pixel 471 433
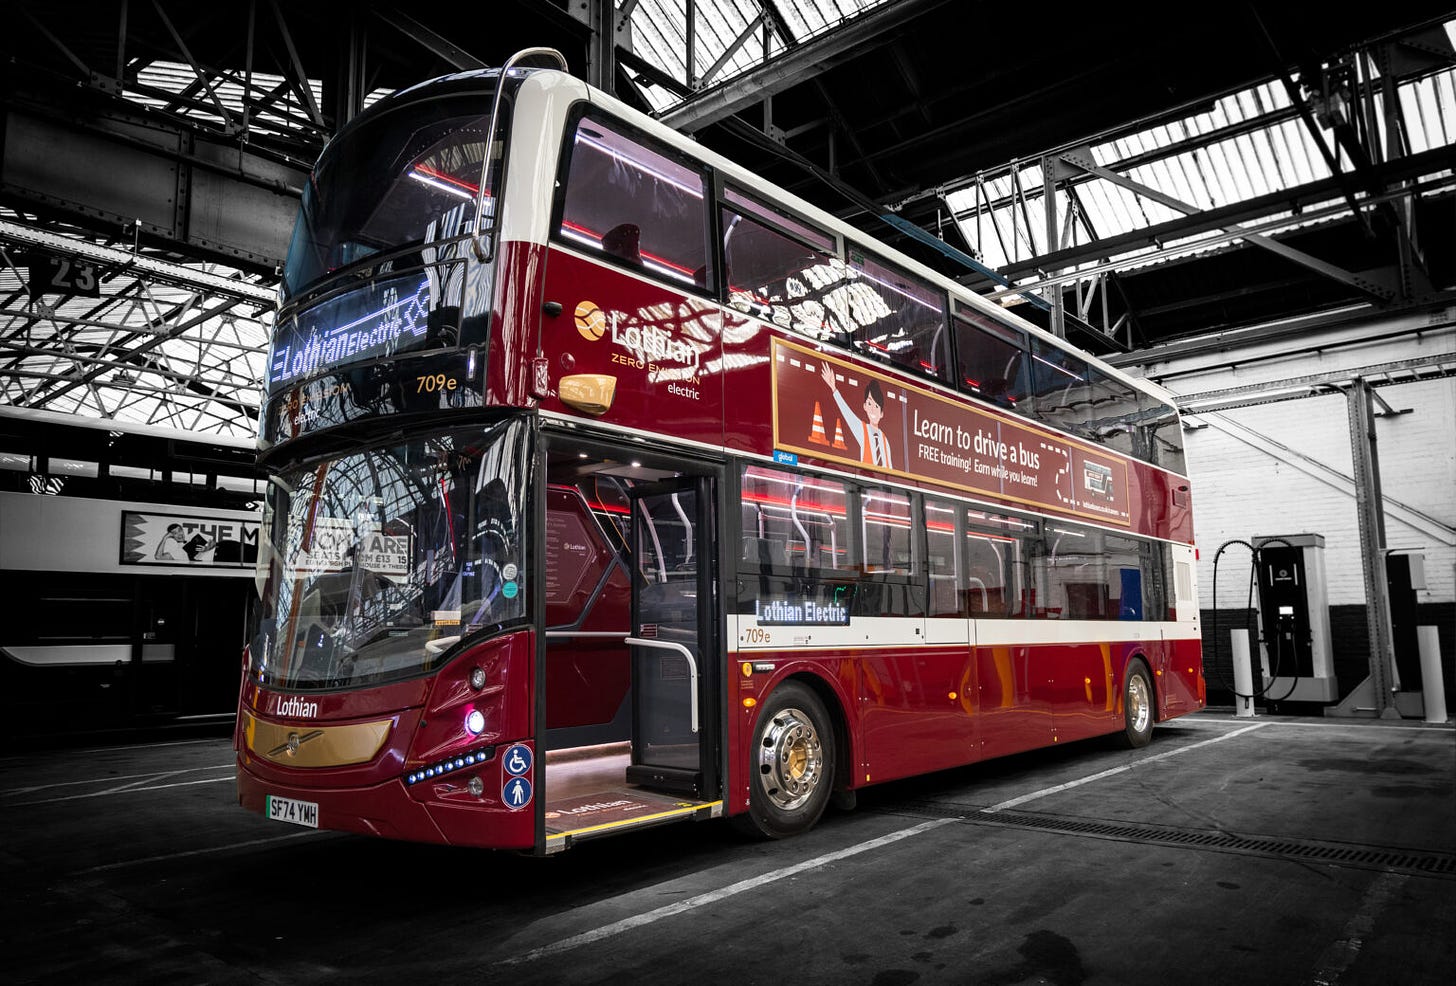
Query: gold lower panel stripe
pixel 295 745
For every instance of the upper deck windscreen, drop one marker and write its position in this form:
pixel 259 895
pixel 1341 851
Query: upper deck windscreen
pixel 407 174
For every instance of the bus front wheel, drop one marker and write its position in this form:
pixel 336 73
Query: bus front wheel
pixel 791 763
pixel 1137 706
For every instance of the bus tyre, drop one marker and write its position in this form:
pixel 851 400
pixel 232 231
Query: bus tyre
pixel 1137 706
pixel 791 764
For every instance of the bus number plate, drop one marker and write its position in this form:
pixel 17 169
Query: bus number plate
pixel 293 812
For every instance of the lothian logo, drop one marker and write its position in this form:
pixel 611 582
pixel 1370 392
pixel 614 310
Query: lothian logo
pixel 296 707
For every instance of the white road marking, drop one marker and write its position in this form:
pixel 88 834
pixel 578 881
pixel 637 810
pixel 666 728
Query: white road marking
pixel 93 780
pixel 713 896
pixel 1116 770
pixel 203 852
pixel 53 755
pixel 124 789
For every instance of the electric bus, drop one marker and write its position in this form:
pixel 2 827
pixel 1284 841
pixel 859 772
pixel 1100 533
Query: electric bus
pixel 610 485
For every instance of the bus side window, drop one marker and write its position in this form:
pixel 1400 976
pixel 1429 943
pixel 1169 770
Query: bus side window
pixel 1062 387
pixel 991 360
pixel 897 318
pixel 793 524
pixel 1096 575
pixel 779 269
pixel 997 581
pixel 888 538
pixel 892 576
pixel 1159 435
pixel 1112 413
pixel 943 560
pixel 637 203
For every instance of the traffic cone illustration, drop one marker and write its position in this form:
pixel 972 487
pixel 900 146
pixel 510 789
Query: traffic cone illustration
pixel 816 434
pixel 839 435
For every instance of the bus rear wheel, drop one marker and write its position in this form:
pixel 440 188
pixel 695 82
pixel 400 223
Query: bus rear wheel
pixel 1137 707
pixel 791 766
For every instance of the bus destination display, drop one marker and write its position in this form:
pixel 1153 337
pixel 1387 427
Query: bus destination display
pixel 379 319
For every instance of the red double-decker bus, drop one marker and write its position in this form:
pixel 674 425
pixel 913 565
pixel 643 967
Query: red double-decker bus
pixel 610 485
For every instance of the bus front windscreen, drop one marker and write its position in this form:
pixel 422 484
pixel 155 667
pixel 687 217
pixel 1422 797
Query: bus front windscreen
pixel 403 174
pixel 375 564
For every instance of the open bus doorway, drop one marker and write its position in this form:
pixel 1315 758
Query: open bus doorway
pixel 632 691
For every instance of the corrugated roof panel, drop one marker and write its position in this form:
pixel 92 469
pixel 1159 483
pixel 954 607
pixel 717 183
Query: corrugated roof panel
pixel 1224 189
pixel 1190 182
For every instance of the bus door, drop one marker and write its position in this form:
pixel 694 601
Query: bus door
pixel 675 679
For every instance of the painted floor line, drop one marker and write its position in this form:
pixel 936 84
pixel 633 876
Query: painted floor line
pixel 204 852
pixel 124 789
pixel 650 917
pixel 1382 725
pixel 692 903
pixel 50 756
pixel 14 791
pixel 1044 792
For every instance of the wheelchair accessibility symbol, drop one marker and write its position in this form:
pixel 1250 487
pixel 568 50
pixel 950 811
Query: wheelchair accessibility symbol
pixel 517 760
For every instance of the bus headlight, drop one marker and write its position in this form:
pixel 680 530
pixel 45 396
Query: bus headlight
pixel 475 722
pixel 477 678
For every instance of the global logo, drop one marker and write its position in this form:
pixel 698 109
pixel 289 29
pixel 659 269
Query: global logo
pixel 591 321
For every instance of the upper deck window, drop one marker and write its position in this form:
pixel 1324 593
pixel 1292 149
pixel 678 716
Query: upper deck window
pixel 1159 435
pixel 1113 412
pixel 743 205
pixel 636 204
pixel 779 269
pixel 406 175
pixel 892 316
pixel 991 360
pixel 1061 382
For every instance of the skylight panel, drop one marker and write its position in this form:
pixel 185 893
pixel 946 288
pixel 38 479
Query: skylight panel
pixel 1425 122
pixel 1185 181
pixel 660 36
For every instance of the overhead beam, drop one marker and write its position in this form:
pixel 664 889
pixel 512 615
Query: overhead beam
pixel 164 180
pixel 178 275
pixel 794 66
pixel 1315 264
pixel 1427 162
pixel 172 332
pixel 1410 370
pixel 436 44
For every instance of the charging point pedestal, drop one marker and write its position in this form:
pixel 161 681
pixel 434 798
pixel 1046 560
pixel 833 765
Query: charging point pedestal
pixel 1294 619
pixel 1243 674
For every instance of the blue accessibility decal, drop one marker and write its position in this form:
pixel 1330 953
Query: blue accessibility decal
pixel 516 793
pixel 517 760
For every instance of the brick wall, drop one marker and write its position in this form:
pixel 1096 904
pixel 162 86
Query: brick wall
pixel 1285 467
pixel 1350 650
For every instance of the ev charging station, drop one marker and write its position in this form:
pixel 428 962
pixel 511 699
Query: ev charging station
pixel 1294 619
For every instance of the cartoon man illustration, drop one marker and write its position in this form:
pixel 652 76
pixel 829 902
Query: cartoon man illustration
pixel 874 445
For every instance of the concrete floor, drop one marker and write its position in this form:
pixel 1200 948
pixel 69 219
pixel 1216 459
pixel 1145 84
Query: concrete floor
pixel 1251 851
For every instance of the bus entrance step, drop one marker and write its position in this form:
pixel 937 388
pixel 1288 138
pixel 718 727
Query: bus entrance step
pixel 676 780
pixel 615 810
